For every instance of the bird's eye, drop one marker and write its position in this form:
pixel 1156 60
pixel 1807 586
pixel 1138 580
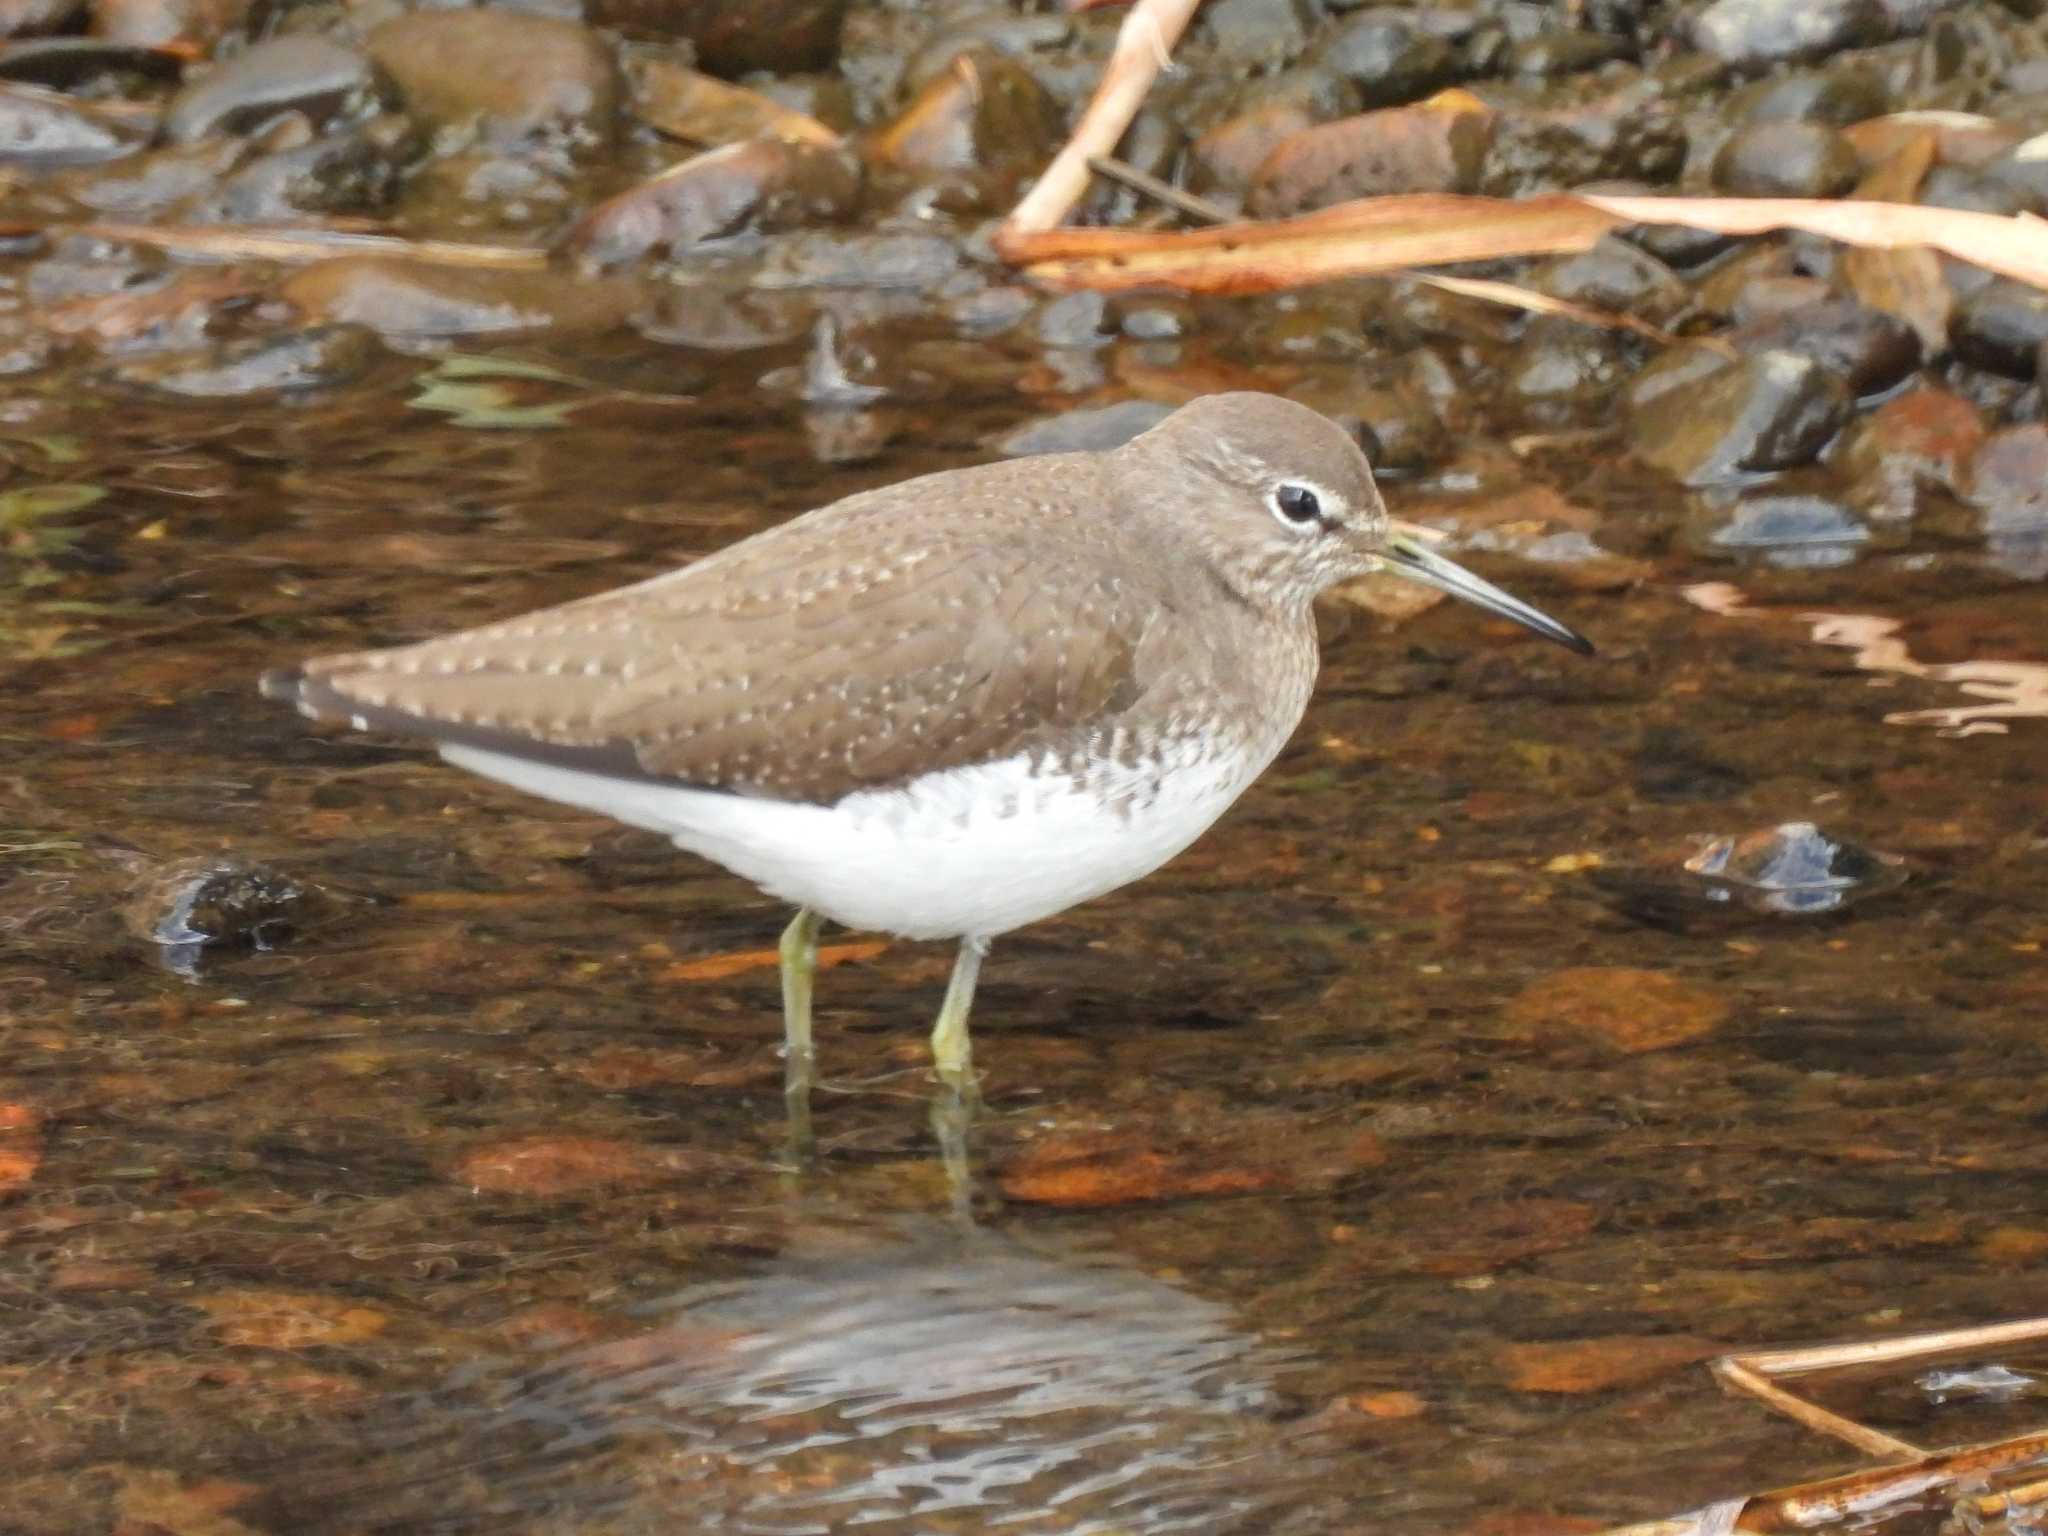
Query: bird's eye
pixel 1297 505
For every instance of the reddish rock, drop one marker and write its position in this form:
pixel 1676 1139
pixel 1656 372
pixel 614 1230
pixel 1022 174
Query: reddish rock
pixel 554 1166
pixel 1137 1163
pixel 1229 155
pixel 1595 1365
pixel 1630 1010
pixel 1434 146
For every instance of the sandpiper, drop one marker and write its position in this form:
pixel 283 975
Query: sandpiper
pixel 945 708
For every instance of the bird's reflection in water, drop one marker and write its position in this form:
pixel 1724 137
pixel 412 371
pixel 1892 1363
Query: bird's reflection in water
pixel 952 1381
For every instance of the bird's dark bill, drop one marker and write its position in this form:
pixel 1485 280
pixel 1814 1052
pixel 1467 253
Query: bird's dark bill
pixel 1408 555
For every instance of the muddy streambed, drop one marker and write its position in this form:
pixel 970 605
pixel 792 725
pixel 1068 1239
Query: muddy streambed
pixel 381 1151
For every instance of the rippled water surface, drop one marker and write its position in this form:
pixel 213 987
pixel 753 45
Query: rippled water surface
pixel 1394 1160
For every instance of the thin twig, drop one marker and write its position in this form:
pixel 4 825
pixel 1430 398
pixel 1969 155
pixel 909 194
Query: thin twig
pixel 1143 47
pixel 1735 1374
pixel 242 242
pixel 1199 209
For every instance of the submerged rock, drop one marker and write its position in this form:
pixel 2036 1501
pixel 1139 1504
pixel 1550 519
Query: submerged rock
pixel 757 185
pixel 984 114
pixel 322 356
pixel 1437 146
pixel 1096 427
pixel 1771 411
pixel 1795 869
pixel 729 39
pixel 1785 159
pixel 313 76
pixel 188 907
pixel 509 75
pixel 1786 528
pixel 399 297
pixel 40 131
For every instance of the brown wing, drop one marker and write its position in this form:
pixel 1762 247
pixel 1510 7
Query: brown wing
pixel 947 621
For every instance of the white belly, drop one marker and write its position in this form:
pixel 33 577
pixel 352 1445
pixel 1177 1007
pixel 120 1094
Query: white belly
pixel 976 850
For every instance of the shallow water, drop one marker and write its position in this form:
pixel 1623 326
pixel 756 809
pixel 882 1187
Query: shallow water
pixel 1392 1160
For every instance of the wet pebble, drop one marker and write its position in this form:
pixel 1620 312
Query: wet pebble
pixel 879 259
pixel 1090 428
pixel 985 114
pixel 718 319
pixel 1228 155
pixel 1792 529
pixel 1867 349
pixel 1920 442
pixel 1755 34
pixel 1785 159
pixel 315 358
pixel 1794 870
pixel 406 298
pixel 1615 276
pixel 40 131
pixel 511 75
pixel 154 182
pixel 1389 57
pixel 753 186
pixel 223 903
pixel 1836 97
pixel 733 40
pixel 2001 327
pixel 1256 34
pixel 193 27
pixel 1773 410
pixel 2008 482
pixel 351 170
pixel 1565 369
pixel 1626 1009
pixel 1433 147
pixel 315 77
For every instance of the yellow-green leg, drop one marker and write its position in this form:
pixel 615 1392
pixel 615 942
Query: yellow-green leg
pixel 799 967
pixel 952 1051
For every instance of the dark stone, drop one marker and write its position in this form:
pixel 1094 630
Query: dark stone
pixel 729 39
pixel 509 75
pixel 1834 97
pixel 265 365
pixel 1755 34
pixel 41 132
pixel 65 62
pixel 1774 410
pixel 1564 369
pixel 748 187
pixel 1867 349
pixel 313 76
pixel 1785 159
pixel 1261 34
pixel 1388 59
pixel 1615 276
pixel 2001 327
pixel 355 171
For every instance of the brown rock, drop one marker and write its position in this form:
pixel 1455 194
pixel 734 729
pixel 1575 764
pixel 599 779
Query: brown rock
pixel 1595 1365
pixel 1920 441
pixel 777 35
pixel 21 1151
pixel 984 112
pixel 194 26
pixel 1434 146
pixel 1628 1009
pixel 289 1319
pixel 1136 1163
pixel 1228 156
pixel 513 74
pixel 553 1166
pixel 399 297
pixel 701 109
pixel 758 185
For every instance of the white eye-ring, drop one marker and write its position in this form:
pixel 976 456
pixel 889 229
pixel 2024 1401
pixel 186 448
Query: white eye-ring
pixel 1298 506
